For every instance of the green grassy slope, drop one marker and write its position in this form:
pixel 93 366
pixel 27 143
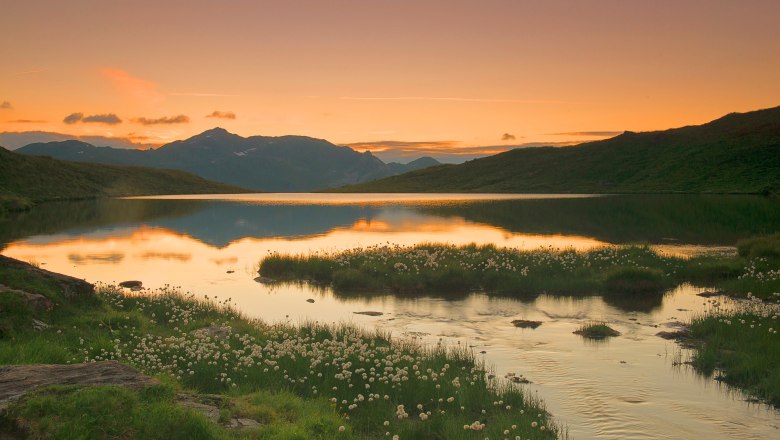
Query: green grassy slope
pixel 25 180
pixel 738 153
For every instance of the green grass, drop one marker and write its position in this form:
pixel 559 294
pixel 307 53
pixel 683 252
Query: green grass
pixel 26 180
pixel 628 271
pixel 110 412
pixel 737 153
pixel 301 381
pixel 452 270
pixel 760 247
pixel 596 330
pixel 742 348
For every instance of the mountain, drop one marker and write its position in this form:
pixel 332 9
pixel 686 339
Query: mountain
pixel 25 180
pixel 284 163
pixel 738 153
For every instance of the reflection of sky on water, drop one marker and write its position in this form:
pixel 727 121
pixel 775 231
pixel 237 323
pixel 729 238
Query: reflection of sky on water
pixel 625 387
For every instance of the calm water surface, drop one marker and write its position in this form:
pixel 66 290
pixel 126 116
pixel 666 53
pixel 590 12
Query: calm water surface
pixel 627 387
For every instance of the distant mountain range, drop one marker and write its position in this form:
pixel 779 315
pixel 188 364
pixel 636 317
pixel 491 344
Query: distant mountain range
pixel 285 163
pixel 738 153
pixel 26 180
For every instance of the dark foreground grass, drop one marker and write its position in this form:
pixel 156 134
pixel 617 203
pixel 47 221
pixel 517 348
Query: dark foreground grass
pixel 742 348
pixel 451 270
pixel 301 382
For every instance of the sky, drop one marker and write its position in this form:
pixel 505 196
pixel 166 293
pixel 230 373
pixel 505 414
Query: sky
pixel 453 79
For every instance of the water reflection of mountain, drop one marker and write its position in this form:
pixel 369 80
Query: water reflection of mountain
pixel 213 223
pixel 79 217
pixel 702 220
pixel 689 219
pixel 219 223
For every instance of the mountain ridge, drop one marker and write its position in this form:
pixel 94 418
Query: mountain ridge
pixel 264 163
pixel 737 153
pixel 28 180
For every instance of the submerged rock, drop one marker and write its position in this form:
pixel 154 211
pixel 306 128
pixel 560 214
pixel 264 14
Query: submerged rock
pixel 309 300
pixel 709 294
pixel 265 280
pixel 369 313
pixel 523 323
pixel 679 334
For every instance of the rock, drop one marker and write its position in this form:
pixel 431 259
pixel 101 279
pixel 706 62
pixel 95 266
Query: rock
pixel 516 378
pixel 369 313
pixel 238 423
pixel 213 332
pixel 209 405
pixel 679 334
pixel 36 301
pixel 523 323
pixel 231 271
pixel 265 280
pixel 133 285
pixel 309 300
pixel 39 325
pixel 196 403
pixel 710 294
pixel 18 380
pixel 69 286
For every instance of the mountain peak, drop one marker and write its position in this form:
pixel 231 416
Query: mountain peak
pixel 216 132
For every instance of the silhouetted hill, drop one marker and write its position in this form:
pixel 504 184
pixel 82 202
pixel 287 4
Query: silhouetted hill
pixel 737 153
pixel 284 163
pixel 25 180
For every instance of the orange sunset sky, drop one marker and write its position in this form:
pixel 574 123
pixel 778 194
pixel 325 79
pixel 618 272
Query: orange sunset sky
pixel 402 78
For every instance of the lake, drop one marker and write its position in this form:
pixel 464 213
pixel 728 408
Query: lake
pixel 631 386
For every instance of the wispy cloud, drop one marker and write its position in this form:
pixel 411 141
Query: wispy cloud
pixel 108 118
pixel 5 105
pixel 27 121
pixel 29 72
pixel 222 115
pixel 199 94
pixel 178 119
pixel 508 137
pixel 133 87
pixel 446 151
pixel 403 146
pixel 451 98
pixel 587 133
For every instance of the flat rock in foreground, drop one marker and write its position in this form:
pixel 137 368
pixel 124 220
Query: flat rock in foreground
pixel 18 380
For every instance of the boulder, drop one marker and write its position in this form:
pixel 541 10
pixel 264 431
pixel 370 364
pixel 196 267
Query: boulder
pixel 18 380
pixel 69 287
pixel 132 284
pixel 35 301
